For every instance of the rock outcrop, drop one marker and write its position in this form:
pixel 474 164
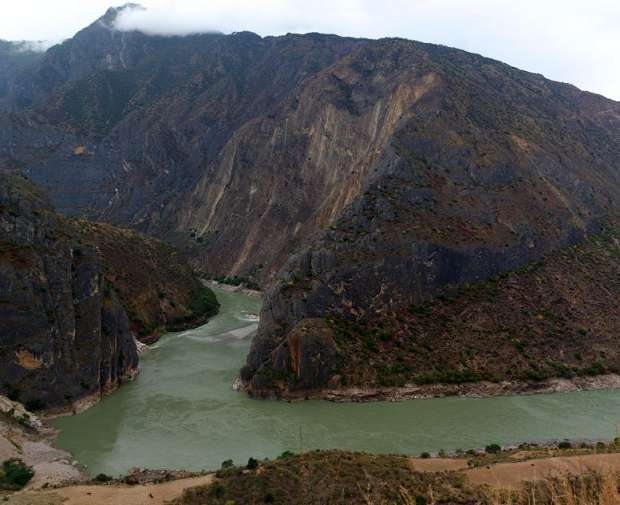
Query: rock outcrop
pixel 490 170
pixel 379 174
pixel 65 319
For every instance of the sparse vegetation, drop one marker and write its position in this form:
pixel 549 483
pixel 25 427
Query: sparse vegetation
pixel 517 326
pixel 15 474
pixel 340 478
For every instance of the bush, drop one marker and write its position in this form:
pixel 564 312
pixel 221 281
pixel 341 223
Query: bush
pixel 16 474
pixel 425 455
pixel 565 445
pixel 216 490
pixel 493 449
pixel 203 302
pixel 102 477
pixel 252 464
pixel 227 464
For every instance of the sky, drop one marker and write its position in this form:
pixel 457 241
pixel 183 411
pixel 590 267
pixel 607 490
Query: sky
pixel 565 40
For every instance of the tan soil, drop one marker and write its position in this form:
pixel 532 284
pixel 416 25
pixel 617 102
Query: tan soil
pixel 34 446
pixel 501 475
pixel 437 464
pixel 150 494
pixel 511 475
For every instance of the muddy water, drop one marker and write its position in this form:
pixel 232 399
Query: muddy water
pixel 182 413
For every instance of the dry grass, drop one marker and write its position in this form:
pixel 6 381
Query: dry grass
pixel 586 489
pixel 342 478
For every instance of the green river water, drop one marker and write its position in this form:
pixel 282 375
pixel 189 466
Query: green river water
pixel 181 412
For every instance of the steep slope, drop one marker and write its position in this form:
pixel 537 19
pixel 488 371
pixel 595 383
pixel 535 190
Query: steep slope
pixel 492 169
pixel 70 294
pixel 390 170
pixel 128 128
pixel 154 283
pixel 242 149
pixel 15 58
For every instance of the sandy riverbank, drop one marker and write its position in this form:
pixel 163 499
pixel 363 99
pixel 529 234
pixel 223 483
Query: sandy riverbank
pixel 23 435
pixel 466 390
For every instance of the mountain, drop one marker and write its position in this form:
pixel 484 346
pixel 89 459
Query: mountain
pixel 15 58
pixel 72 296
pixel 358 179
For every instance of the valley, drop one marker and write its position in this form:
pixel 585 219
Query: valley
pixel 181 412
pixel 303 268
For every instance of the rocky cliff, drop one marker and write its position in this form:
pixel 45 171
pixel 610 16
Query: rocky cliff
pixel 70 293
pixel 378 173
pixel 489 170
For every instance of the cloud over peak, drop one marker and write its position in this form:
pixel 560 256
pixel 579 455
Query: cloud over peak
pixel 566 40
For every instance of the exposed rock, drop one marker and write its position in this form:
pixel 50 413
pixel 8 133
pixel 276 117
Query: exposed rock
pixel 379 172
pixel 24 436
pixel 65 334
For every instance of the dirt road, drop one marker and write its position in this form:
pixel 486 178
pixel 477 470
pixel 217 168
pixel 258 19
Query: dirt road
pixel 150 494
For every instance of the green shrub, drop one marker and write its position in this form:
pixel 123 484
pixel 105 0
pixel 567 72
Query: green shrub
pixel 252 464
pixel 203 301
pixel 227 464
pixel 493 449
pixel 425 455
pixel 216 490
pixel 15 474
pixel 597 368
pixel 565 444
pixel 102 477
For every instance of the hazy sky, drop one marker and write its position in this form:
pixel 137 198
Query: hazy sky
pixel 567 40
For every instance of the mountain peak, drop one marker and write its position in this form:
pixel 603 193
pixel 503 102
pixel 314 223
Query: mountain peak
pixel 112 13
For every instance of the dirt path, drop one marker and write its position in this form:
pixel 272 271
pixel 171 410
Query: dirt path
pixel 150 494
pixel 511 475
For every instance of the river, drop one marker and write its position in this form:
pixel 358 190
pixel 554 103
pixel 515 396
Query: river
pixel 181 412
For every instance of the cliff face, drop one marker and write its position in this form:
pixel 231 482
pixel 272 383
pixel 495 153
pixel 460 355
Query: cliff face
pixel 153 132
pixel 490 170
pixel 379 173
pixel 65 334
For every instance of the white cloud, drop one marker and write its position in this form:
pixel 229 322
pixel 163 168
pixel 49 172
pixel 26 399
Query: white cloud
pixel 567 40
pixel 37 46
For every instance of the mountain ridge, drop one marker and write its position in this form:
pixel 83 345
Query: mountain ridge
pixel 350 175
